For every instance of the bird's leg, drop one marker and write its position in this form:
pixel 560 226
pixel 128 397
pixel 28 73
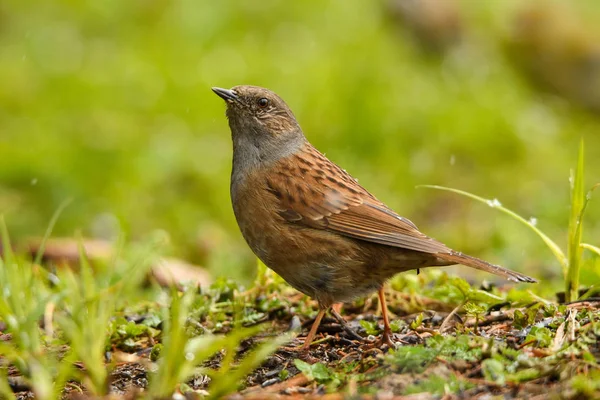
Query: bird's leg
pixel 313 330
pixel 344 324
pixel 386 337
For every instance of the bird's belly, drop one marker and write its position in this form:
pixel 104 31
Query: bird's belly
pixel 324 265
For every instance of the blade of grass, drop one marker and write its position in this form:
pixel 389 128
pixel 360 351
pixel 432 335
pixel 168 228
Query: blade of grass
pixel 558 253
pixel 261 274
pixel 578 201
pixel 228 382
pixel 591 248
pixel 5 390
pixel 588 197
pixel 589 293
pixel 53 220
pixel 174 359
pixel 7 254
pixel 26 294
pixel 65 371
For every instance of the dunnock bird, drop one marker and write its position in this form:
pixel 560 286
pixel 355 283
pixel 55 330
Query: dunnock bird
pixel 310 221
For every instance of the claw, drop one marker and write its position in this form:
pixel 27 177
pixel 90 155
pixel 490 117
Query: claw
pixel 386 339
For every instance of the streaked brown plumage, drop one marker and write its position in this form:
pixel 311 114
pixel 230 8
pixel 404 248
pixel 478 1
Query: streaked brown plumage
pixel 310 221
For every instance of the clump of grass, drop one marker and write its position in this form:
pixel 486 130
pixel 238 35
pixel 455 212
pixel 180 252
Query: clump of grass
pixel 439 385
pixel 320 373
pixel 90 299
pixel 182 357
pixel 24 301
pixel 571 261
pixel 63 323
pixel 76 309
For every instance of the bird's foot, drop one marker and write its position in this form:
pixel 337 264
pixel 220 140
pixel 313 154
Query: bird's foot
pixel 386 340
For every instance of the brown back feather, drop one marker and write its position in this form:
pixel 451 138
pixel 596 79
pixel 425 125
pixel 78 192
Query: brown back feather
pixel 329 198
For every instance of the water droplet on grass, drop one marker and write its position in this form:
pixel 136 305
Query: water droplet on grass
pixel 533 221
pixel 494 203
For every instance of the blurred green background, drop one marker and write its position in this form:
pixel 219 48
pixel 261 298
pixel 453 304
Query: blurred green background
pixel 109 103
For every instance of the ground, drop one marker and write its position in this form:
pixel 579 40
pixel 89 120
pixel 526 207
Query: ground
pixel 450 344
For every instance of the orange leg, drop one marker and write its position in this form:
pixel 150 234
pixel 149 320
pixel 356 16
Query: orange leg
pixel 386 337
pixel 313 330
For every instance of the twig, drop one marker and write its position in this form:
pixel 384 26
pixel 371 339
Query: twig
pixel 344 325
pixel 452 313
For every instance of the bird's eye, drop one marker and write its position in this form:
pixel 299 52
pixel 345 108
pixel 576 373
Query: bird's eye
pixel 262 102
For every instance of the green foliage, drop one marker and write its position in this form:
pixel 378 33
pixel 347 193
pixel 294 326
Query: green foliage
pixel 571 263
pixel 411 359
pixel 494 203
pixel 579 202
pixel 474 295
pixel 370 327
pixel 397 325
pixel 80 305
pixel 448 289
pixel 127 334
pixel 541 336
pixel 283 374
pixel 574 249
pixel 416 359
pixel 526 317
pixel 493 370
pixel 116 112
pixel 26 295
pixel 461 347
pixel 501 370
pixel 110 105
pixel 474 310
pixel 439 385
pixel 81 310
pixel 91 297
pixel 182 356
pixel 587 386
pixel 318 372
pixel 417 322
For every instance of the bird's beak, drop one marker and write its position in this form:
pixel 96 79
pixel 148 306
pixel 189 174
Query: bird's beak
pixel 225 94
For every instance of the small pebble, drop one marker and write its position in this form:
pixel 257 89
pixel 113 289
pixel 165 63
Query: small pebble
pixel 295 324
pixel 271 373
pixel 269 382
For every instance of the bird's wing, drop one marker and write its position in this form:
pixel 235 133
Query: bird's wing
pixel 315 192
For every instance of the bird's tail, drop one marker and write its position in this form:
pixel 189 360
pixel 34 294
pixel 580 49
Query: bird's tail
pixel 473 262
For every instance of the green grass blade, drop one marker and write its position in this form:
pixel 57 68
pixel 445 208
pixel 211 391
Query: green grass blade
pixel 588 197
pixel 229 381
pixel 7 253
pixel 5 390
pixel 591 248
pixel 558 253
pixel 173 363
pixel 261 274
pixel 578 201
pixel 55 216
